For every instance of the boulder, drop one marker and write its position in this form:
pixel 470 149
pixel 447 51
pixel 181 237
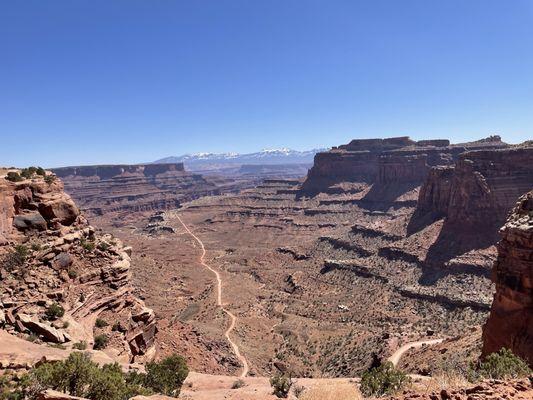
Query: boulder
pixel 47 331
pixel 62 261
pixel 29 221
pixel 61 209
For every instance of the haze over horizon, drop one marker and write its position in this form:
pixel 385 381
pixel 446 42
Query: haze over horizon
pixel 131 82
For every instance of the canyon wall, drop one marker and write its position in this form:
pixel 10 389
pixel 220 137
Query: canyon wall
pixel 386 161
pixel 51 257
pixel 479 190
pixel 110 188
pixel 510 323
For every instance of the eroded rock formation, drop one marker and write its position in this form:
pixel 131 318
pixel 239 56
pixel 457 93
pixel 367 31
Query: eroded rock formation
pixel 510 323
pixel 385 161
pixel 58 275
pixel 108 188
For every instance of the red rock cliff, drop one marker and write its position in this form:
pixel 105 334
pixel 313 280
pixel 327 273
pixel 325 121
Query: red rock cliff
pixel 49 254
pixel 510 323
pixel 386 161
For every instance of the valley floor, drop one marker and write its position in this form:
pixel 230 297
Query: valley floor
pixel 317 285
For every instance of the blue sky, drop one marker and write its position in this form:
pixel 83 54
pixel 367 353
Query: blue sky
pixel 85 82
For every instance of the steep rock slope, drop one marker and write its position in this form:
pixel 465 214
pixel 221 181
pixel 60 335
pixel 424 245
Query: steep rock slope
pixel 383 161
pixel 58 275
pixel 510 323
pixel 473 198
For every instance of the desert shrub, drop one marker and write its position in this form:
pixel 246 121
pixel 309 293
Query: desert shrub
pixel 503 364
pixel 100 342
pixel 16 258
pixel 54 311
pixel 79 376
pixel 167 376
pixel 103 246
pixel 9 389
pixel 87 245
pixel 80 345
pixel 298 390
pixel 14 177
pixel 35 246
pixel 32 337
pixel 281 385
pixel 116 327
pixel 40 171
pixel 100 323
pixel 27 173
pixel 383 380
pixel 239 383
pixel 50 179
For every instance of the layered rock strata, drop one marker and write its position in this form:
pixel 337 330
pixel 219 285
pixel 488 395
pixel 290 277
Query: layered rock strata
pixel 58 275
pixel 386 161
pixel 110 188
pixel 510 323
pixel 478 191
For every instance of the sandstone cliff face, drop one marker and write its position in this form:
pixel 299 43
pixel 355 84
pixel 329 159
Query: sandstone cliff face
pixel 386 161
pixel 480 190
pixel 51 257
pixel 110 188
pixel 510 323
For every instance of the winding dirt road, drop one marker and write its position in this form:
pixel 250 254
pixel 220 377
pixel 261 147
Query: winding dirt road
pixel 395 357
pixel 233 318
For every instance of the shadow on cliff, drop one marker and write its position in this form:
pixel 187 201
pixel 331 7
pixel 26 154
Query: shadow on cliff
pixel 453 241
pixel 383 196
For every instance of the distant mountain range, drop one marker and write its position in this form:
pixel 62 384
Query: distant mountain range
pixel 264 157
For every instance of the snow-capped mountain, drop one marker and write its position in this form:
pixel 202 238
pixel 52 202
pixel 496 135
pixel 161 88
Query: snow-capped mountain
pixel 266 156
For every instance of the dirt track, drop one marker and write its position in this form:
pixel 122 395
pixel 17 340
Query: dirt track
pixel 233 318
pixel 395 357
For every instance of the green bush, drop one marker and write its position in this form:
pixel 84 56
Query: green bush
pixel 383 380
pixel 50 179
pixel 281 385
pixel 501 365
pixel 80 345
pixel 14 177
pixel 54 311
pixel 40 171
pixel 87 245
pixel 28 172
pixel 103 246
pixel 16 258
pixel 79 376
pixel 167 376
pixel 100 342
pixel 100 323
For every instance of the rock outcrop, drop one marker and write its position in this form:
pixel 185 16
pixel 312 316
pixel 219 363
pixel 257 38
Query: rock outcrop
pixel 144 187
pixel 386 161
pixel 473 197
pixel 57 275
pixel 518 389
pixel 510 323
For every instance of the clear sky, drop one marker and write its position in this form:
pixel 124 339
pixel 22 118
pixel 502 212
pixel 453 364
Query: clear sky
pixel 112 81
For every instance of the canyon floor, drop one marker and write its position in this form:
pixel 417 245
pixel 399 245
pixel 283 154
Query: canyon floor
pixel 318 285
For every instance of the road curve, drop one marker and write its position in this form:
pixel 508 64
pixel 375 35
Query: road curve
pixel 397 355
pixel 233 318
